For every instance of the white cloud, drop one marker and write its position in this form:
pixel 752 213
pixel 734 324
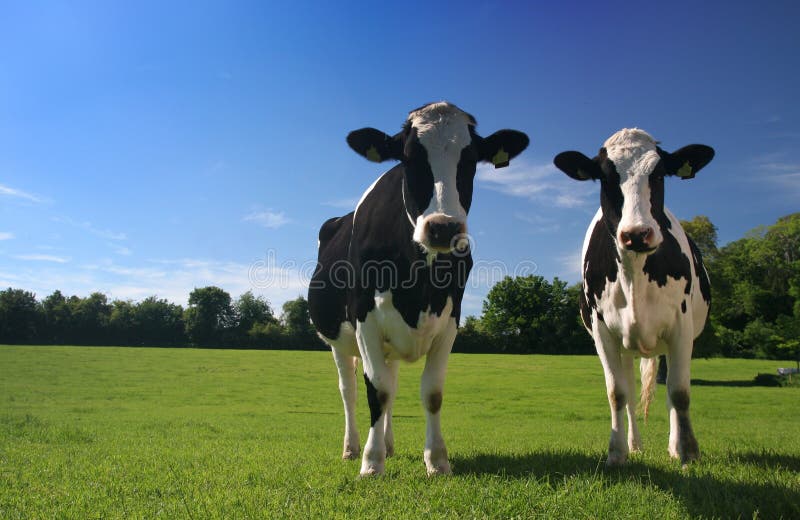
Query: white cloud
pixel 268 219
pixel 13 192
pixel 543 183
pixel 344 203
pixel 4 235
pixel 775 170
pixel 101 233
pixel 43 258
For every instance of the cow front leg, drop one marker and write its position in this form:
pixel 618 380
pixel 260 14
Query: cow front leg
pixel 346 365
pixel 634 439
pixel 682 442
pixel 618 391
pixel 388 433
pixel 431 393
pixel 380 394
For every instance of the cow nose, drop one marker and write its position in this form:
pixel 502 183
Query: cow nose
pixel 442 232
pixel 637 239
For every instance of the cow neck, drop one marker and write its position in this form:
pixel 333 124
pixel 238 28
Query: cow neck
pixel 405 207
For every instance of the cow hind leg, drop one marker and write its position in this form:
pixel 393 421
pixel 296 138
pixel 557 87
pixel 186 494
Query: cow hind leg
pixel 346 365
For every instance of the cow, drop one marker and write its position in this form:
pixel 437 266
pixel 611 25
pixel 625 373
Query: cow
pixel 391 274
pixel 645 289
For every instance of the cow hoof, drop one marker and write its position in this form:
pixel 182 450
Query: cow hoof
pixel 351 453
pixel 372 470
pixel 615 460
pixel 442 468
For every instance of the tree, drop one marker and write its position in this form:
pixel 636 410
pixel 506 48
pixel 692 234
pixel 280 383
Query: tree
pixel 297 322
pixel 122 323
pixel 90 317
pixel 159 323
pixel 704 234
pixel 209 316
pixel 20 317
pixel 57 319
pixel 529 314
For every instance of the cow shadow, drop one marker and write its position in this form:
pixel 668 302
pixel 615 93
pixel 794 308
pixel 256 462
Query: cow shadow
pixel 731 383
pixel 702 494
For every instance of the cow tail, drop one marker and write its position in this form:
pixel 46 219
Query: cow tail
pixel 649 369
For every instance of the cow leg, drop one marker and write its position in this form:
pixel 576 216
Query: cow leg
pixel 346 366
pixel 380 394
pixel 618 392
pixel 388 433
pixel 431 391
pixel 682 443
pixel 634 439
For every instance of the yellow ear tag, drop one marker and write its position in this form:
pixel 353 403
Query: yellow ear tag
pixel 685 172
pixel 500 159
pixel 373 155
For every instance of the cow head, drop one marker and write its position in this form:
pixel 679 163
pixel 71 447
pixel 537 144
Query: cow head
pixel 631 169
pixel 439 150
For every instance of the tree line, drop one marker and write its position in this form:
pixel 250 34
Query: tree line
pixel 212 319
pixel 755 310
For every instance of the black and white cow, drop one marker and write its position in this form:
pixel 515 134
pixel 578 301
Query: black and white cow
pixel 391 274
pixel 645 289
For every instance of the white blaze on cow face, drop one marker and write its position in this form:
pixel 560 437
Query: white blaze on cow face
pixel 443 130
pixel 634 154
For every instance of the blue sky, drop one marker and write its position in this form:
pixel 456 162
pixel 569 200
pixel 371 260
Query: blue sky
pixel 153 147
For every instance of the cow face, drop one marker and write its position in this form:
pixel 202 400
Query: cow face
pixel 631 169
pixel 439 150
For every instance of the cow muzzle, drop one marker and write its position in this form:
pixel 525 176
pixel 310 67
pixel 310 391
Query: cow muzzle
pixel 444 234
pixel 640 239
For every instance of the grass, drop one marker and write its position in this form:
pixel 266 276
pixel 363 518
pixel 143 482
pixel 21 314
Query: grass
pixel 184 433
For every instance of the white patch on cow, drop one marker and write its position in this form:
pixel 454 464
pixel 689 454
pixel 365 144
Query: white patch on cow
pixel 634 154
pixel 402 341
pixel 443 130
pixel 346 342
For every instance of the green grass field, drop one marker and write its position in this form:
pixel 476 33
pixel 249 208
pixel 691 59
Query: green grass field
pixel 184 433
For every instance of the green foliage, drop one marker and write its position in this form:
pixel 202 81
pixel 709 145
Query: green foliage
pixel 704 234
pixel 531 315
pixel 208 316
pixel 190 433
pixel 755 288
pixel 19 316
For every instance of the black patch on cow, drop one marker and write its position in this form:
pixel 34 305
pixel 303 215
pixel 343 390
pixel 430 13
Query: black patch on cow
pixel 680 400
pixel 327 295
pixel 700 271
pixel 611 198
pixel 376 401
pixel 419 176
pixel 599 265
pixel 668 260
pixel 683 306
pixel 434 403
pixel 618 399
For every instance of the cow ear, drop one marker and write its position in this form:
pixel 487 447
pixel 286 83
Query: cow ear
pixel 689 160
pixel 502 146
pixel 375 145
pixel 577 166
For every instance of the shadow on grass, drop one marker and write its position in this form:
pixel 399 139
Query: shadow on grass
pixel 708 382
pixel 702 495
pixel 769 460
